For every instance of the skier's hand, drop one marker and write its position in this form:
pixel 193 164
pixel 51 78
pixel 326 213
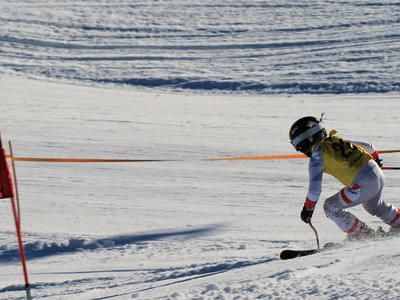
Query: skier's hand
pixel 375 156
pixel 379 162
pixel 306 214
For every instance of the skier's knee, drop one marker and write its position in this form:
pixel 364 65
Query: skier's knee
pixel 380 209
pixel 330 207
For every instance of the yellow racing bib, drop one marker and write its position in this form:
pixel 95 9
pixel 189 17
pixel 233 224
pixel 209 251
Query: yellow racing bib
pixel 343 159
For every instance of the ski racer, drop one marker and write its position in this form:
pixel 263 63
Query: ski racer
pixel 356 164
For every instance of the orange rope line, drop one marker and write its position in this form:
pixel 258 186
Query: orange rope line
pixel 110 160
pixel 81 160
pixel 388 151
pixel 288 156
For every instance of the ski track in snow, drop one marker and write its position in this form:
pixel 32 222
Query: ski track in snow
pixel 282 46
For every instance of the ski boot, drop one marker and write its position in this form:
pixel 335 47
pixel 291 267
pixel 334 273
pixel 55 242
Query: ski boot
pixel 366 234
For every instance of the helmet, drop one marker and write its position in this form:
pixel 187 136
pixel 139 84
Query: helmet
pixel 304 128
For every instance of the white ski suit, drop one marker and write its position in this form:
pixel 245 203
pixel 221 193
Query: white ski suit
pixel 352 163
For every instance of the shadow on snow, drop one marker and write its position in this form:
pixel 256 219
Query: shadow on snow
pixel 40 249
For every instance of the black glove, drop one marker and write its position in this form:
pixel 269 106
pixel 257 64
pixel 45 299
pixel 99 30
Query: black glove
pixel 306 214
pixel 379 162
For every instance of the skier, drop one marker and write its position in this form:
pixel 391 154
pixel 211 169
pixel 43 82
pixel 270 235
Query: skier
pixel 354 163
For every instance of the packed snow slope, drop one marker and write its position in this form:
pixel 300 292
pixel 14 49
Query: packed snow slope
pixel 182 81
pixel 279 46
pixel 185 229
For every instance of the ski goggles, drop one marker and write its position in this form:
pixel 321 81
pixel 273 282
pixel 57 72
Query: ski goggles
pixel 306 134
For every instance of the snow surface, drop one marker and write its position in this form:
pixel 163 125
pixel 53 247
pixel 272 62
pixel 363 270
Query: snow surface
pixel 185 80
pixel 254 46
pixel 187 229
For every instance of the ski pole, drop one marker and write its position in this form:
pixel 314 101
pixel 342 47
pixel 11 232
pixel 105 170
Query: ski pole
pixel 390 168
pixel 316 235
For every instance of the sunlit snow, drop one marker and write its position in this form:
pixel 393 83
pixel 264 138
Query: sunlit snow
pixel 183 81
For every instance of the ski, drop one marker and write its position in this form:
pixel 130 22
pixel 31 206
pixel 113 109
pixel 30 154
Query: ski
pixel 290 254
pixel 380 235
